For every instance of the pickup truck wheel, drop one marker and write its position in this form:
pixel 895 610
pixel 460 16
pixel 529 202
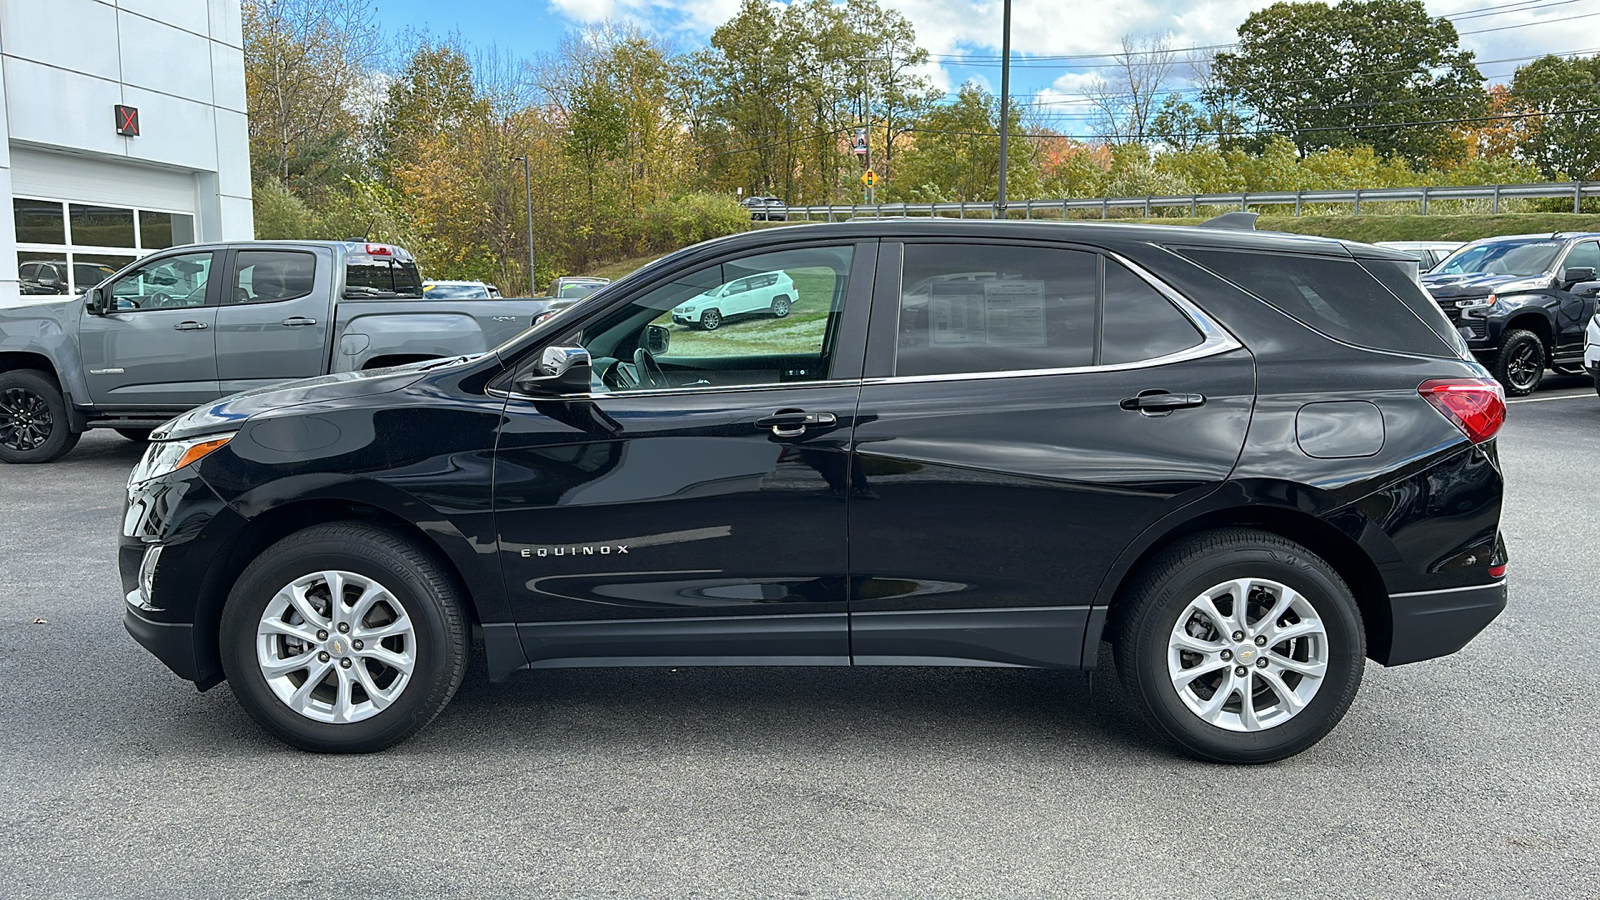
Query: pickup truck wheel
pixel 33 419
pixel 1241 646
pixel 344 638
pixel 780 306
pixel 137 435
pixel 711 320
pixel 1519 365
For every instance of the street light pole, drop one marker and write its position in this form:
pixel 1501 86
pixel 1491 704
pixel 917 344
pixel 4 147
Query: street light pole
pixel 527 190
pixel 1005 104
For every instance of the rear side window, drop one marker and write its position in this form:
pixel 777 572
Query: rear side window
pixel 1401 280
pixel 973 308
pixel 1334 296
pixel 267 276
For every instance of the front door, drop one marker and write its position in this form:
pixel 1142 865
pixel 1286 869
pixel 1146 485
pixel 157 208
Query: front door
pixel 1034 409
pixel 1576 310
pixel 155 351
pixel 692 507
pixel 274 318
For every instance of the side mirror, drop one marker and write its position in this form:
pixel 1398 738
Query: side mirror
pixel 560 370
pixel 657 338
pixel 1576 274
pixel 99 301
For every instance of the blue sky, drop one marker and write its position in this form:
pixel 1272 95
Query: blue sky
pixel 955 30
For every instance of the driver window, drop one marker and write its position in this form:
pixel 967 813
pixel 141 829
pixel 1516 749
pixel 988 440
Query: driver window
pixel 764 319
pixel 172 282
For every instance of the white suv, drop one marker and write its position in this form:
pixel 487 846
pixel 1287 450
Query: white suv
pixel 769 293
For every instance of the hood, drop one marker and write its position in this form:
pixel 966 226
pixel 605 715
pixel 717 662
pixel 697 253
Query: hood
pixel 229 413
pixel 1444 287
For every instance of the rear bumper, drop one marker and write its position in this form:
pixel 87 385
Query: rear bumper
pixel 1428 624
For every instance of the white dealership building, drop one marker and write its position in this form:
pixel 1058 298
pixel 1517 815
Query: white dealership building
pixel 122 132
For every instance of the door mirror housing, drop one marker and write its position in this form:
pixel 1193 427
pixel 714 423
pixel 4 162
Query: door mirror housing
pixel 560 370
pixel 1577 274
pixel 657 338
pixel 99 300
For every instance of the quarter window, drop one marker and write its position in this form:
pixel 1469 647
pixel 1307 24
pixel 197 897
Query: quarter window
pixel 1139 323
pixel 267 276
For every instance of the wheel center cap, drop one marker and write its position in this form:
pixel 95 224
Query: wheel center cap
pixel 1247 653
pixel 339 645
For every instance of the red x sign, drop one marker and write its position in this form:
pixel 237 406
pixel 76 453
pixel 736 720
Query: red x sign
pixel 127 120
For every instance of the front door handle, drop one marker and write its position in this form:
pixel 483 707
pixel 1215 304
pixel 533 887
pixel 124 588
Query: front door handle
pixel 296 321
pixel 1159 403
pixel 790 423
pixel 190 326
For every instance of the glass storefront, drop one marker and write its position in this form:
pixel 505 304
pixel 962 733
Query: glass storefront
pixel 67 248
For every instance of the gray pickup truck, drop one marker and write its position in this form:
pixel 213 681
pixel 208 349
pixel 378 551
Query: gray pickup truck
pixel 190 325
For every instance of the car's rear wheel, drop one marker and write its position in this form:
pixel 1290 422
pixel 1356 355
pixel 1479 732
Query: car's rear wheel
pixel 1519 365
pixel 33 419
pixel 1241 646
pixel 344 638
pixel 780 306
pixel 711 320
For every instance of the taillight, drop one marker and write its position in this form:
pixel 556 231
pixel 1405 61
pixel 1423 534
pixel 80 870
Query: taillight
pixel 378 250
pixel 1477 406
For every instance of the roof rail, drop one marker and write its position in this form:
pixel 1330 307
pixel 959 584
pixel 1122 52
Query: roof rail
pixel 1236 221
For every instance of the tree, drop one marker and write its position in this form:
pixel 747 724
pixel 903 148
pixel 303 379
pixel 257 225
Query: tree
pixel 307 65
pixel 956 156
pixel 1564 140
pixel 1372 72
pixel 432 95
pixel 1126 102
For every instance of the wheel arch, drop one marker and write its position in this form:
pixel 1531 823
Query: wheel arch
pixel 1345 553
pixel 11 360
pixel 1535 320
pixel 268 527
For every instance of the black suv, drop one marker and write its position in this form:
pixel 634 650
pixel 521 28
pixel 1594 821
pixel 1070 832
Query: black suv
pixel 1521 302
pixel 1247 460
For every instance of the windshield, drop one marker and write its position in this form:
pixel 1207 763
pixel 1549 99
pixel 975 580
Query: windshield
pixel 1532 257
pixel 574 291
pixel 456 292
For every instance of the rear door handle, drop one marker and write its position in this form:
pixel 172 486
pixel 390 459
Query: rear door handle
pixel 793 423
pixel 294 321
pixel 1155 403
pixel 190 326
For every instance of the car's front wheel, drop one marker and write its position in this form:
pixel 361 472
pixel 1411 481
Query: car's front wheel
pixel 1241 646
pixel 33 419
pixel 711 320
pixel 344 638
pixel 1519 365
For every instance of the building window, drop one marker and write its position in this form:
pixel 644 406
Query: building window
pixel 67 248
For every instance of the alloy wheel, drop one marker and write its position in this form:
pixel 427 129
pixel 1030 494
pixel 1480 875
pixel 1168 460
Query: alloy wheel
pixel 711 320
pixel 1522 370
pixel 1248 654
pixel 336 646
pixel 25 420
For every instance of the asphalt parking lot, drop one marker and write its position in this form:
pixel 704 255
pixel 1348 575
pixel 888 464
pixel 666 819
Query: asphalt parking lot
pixel 1475 776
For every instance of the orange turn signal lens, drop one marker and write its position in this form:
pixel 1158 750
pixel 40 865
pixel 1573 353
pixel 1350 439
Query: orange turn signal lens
pixel 200 451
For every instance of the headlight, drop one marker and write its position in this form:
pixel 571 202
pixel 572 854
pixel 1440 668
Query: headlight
pixel 1476 302
pixel 166 457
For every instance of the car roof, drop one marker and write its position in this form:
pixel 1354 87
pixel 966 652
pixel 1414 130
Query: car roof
pixel 1541 236
pixel 1086 231
pixel 432 283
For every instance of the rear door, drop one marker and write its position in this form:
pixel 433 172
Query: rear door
pixel 1028 410
pixel 155 351
pixel 273 320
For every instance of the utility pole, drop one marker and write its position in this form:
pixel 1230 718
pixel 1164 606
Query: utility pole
pixel 866 114
pixel 527 190
pixel 1005 105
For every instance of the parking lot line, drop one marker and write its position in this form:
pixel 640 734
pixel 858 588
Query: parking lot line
pixel 1580 393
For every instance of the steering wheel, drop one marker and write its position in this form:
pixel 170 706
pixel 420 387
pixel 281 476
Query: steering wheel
pixel 159 299
pixel 648 370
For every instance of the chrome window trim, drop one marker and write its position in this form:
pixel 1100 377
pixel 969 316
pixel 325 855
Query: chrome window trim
pixel 672 391
pixel 1214 340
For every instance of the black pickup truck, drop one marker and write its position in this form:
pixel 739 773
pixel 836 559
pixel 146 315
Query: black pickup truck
pixel 1522 302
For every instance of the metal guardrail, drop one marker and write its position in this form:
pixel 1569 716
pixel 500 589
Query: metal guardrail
pixel 1577 190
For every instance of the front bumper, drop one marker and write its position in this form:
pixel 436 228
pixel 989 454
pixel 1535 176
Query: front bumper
pixel 1429 624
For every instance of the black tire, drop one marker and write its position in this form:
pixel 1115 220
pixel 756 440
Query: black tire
pixel 137 435
pixel 1163 590
pixel 1519 366
pixel 710 320
pixel 780 306
pixel 33 418
pixel 427 595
